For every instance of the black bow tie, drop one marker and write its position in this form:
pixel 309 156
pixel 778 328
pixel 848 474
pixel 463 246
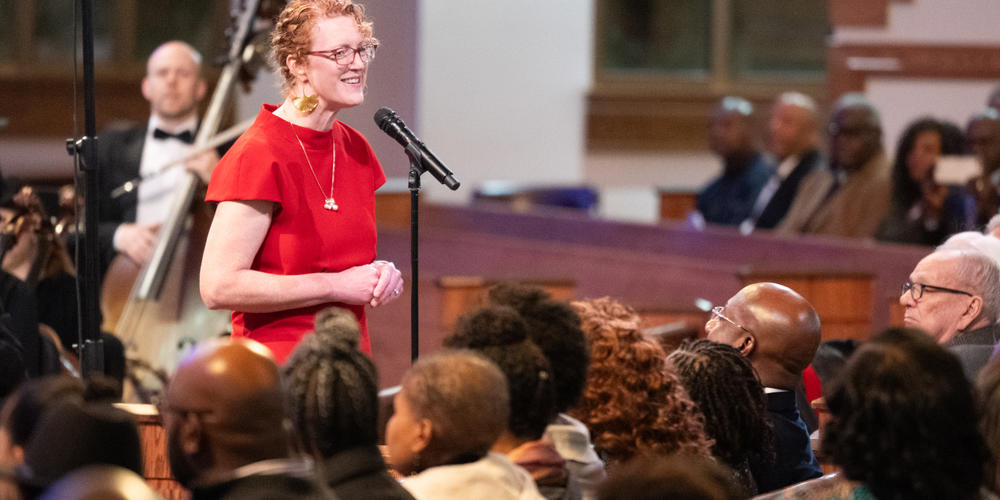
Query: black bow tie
pixel 186 136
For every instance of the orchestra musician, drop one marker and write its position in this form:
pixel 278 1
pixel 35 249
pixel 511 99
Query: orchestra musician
pixel 294 230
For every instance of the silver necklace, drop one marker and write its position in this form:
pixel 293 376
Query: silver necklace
pixel 328 202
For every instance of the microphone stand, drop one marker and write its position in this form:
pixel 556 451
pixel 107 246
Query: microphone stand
pixel 413 181
pixel 91 346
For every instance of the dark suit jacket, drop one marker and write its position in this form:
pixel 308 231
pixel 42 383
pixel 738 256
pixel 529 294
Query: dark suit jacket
pixel 264 487
pixel 974 348
pixel 361 473
pixel 728 199
pixel 779 204
pixel 119 153
pixel 794 460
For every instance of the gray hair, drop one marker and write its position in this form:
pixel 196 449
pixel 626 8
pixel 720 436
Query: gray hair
pixel 736 104
pixel 992 225
pixel 797 99
pixel 860 101
pixel 980 272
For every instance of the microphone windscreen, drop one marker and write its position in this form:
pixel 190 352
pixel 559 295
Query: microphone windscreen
pixel 383 116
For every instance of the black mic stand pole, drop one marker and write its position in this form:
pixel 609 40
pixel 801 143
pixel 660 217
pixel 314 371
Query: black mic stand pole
pixel 91 347
pixel 414 186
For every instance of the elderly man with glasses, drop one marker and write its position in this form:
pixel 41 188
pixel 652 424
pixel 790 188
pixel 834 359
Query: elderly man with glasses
pixel 954 295
pixel 779 332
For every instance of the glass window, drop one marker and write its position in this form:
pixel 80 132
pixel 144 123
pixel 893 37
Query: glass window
pixel 778 37
pixel 54 30
pixel 6 34
pixel 661 36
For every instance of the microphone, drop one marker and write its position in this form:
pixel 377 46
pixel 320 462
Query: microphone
pixel 391 124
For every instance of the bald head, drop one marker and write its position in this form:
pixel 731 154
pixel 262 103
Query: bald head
pixel 774 327
pixel 173 84
pixel 794 125
pixel 233 387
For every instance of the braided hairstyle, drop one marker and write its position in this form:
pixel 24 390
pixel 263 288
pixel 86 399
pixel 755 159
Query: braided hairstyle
pixel 724 385
pixel 499 334
pixel 555 328
pixel 332 387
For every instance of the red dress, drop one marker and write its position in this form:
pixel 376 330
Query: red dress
pixel 267 163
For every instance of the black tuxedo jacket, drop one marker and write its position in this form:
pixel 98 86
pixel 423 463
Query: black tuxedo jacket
pixel 779 204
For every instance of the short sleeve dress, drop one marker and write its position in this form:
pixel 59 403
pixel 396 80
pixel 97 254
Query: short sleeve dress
pixel 268 163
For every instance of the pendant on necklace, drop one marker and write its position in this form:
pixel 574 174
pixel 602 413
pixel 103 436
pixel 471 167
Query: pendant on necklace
pixel 331 205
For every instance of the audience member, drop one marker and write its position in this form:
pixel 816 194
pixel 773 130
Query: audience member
pixel 988 383
pixel 634 404
pixel 982 138
pixel 954 295
pixel 73 434
pixel 922 211
pixel 727 391
pixel 451 409
pixel 101 482
pixel 676 477
pixel 224 416
pixel 993 227
pixel 856 199
pixel 555 328
pixel 333 400
pixel 779 332
pixel 729 198
pixel 499 334
pixel 794 142
pixel 903 425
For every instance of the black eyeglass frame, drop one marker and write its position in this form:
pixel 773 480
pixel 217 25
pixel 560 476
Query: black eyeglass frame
pixel 915 295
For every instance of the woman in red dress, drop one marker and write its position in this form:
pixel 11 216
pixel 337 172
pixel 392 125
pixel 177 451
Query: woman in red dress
pixel 294 231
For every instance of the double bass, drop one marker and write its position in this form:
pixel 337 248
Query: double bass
pixel 163 314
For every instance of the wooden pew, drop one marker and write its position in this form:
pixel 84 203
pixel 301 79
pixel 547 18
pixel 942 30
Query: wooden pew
pixel 462 294
pixel 652 268
pixel 675 205
pixel 156 465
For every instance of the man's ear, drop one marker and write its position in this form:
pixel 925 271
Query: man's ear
pixel 972 312
pixel 191 435
pixel 425 433
pixel 145 88
pixel 747 345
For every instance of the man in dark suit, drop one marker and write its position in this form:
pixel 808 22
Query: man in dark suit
pixel 794 141
pixel 954 295
pixel 227 438
pixel 174 87
pixel 779 332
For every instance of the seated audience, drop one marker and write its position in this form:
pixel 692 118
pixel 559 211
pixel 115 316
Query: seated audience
pixel 674 477
pixel 982 139
pixel 728 199
pixel 333 400
pixel 989 422
pixel 794 142
pixel 451 409
pixel 903 425
pixel 855 200
pixel 224 417
pixel 555 328
pixel 73 434
pixel 100 482
pixel 778 331
pixel 634 404
pixel 727 391
pixel 954 295
pixel 924 212
pixel 499 334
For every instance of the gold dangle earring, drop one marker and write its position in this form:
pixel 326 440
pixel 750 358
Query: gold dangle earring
pixel 307 103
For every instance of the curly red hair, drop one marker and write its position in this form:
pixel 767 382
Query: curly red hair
pixel 633 403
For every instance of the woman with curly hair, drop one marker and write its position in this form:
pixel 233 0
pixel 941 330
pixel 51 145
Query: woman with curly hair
pixel 633 402
pixel 724 385
pixel 903 425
